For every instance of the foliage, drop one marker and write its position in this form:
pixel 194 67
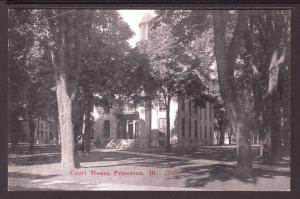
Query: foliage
pixel 29 83
pixel 86 50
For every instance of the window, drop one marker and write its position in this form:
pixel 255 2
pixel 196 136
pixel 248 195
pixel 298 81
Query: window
pixel 118 130
pixel 162 106
pixel 211 112
pixel 190 106
pixel 136 129
pixel 183 127
pixel 129 108
pixel 196 129
pixel 183 106
pixel 162 125
pixel 200 131
pixel 106 128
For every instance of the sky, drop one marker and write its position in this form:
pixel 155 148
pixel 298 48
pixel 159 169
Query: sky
pixel 133 18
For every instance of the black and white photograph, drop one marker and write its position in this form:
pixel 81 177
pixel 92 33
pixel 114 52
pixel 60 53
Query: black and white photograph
pixel 149 100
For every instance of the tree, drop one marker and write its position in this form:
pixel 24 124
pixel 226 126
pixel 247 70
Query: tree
pixel 269 60
pixel 30 94
pixel 226 59
pixel 247 51
pixel 194 24
pixel 121 82
pixel 69 48
pixel 80 46
pixel 258 73
pixel 29 86
pixel 172 73
pixel 17 47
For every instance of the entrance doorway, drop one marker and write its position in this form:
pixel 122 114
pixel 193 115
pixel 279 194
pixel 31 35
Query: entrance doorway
pixel 132 128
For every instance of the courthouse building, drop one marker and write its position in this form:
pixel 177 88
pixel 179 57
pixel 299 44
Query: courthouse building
pixel 191 120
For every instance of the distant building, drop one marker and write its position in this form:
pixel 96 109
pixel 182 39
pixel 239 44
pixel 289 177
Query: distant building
pixel 45 131
pixel 191 120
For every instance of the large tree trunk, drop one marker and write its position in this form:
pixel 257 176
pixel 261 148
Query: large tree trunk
pixel 267 105
pixel 64 88
pixel 226 58
pixel 244 156
pixel 271 138
pixel 69 159
pixel 168 144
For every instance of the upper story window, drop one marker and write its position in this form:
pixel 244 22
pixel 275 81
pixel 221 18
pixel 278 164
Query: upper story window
pixel 162 106
pixel 162 125
pixel 128 108
pixel 211 112
pixel 183 127
pixel 196 129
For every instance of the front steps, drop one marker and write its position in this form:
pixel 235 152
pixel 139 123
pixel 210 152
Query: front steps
pixel 123 144
pixel 127 144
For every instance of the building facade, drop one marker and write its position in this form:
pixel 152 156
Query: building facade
pixel 45 132
pixel 191 124
pixel 191 120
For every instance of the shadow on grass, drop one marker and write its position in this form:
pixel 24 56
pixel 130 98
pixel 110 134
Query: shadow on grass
pixel 34 160
pixel 218 153
pixel 29 175
pixel 193 174
pixel 107 159
pixel 111 159
pixel 199 176
pixel 25 149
